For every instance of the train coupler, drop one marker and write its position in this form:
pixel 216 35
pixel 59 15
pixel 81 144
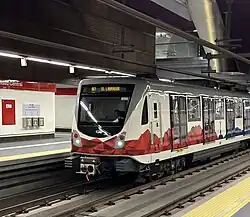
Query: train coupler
pixel 89 166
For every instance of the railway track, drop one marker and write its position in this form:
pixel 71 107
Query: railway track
pixel 18 178
pixel 37 171
pixel 157 198
pixel 202 188
pixel 49 195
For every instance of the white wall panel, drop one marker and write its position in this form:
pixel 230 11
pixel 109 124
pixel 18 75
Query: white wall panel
pixel 65 106
pixel 46 100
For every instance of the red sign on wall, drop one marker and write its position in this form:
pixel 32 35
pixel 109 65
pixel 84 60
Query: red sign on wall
pixel 8 112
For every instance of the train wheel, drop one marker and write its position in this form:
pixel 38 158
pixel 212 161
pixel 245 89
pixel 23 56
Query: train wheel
pixel 189 161
pixel 183 163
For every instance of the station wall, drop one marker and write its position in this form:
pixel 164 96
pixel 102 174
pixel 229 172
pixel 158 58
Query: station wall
pixel 65 105
pixel 25 103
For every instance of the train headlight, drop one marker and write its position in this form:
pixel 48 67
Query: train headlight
pixel 120 141
pixel 119 144
pixel 76 139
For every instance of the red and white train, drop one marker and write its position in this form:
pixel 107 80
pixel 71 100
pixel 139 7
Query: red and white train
pixel 148 126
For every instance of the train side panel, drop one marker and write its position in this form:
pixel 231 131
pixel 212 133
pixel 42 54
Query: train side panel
pixel 160 126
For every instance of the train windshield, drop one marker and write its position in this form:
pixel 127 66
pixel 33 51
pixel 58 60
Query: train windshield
pixel 103 110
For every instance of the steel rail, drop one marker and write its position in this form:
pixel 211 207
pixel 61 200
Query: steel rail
pixel 130 11
pixel 111 199
pixel 67 191
pixel 190 197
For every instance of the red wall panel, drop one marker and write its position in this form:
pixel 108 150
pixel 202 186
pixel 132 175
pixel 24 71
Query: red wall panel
pixel 66 91
pixel 8 112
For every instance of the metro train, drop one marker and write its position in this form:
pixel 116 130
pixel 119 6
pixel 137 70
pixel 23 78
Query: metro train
pixel 150 127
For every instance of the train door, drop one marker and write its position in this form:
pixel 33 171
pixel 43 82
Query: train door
pixel 209 133
pixel 230 117
pixel 239 122
pixel 178 117
pixel 246 116
pixel 195 131
pixel 155 119
pixel 220 119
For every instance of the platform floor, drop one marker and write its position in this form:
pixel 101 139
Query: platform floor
pixel 231 201
pixel 35 148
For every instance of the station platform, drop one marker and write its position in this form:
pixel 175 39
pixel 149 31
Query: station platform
pixel 35 148
pixel 232 200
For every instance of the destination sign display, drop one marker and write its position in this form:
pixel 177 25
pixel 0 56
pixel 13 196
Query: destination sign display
pixel 107 89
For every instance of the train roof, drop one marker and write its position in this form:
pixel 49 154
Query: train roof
pixel 171 87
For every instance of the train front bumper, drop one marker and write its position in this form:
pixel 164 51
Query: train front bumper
pixel 83 165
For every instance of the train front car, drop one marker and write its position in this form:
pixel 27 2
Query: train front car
pixel 100 125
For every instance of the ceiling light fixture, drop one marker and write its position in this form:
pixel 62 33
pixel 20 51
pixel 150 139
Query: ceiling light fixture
pixel 71 70
pixel 24 62
pixel 90 68
pixel 3 54
pixel 119 73
pixel 166 80
pixel 38 60
pixel 59 63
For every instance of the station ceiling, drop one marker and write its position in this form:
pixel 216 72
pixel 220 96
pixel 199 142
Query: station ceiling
pixel 89 32
pixel 84 32
pixel 237 71
pixel 158 12
pixel 239 22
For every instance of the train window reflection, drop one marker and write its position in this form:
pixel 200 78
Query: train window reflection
pixel 238 108
pixel 104 109
pixel 194 109
pixel 219 109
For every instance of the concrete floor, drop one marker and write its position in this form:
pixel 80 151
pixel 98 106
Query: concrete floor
pixel 60 142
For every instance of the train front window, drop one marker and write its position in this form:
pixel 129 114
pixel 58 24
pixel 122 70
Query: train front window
pixel 103 109
pixel 103 113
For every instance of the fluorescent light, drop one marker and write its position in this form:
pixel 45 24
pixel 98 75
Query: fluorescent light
pixel 71 70
pixel 99 70
pixel 108 76
pixel 38 60
pixel 195 30
pixel 90 68
pixel 10 55
pixel 48 61
pixel 166 80
pixel 58 63
pixel 119 73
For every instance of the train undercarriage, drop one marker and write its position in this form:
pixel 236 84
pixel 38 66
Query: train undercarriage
pixel 91 166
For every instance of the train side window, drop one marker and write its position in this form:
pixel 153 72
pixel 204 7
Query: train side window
pixel 144 119
pixel 247 115
pixel 219 109
pixel 238 108
pixel 194 109
pixel 155 110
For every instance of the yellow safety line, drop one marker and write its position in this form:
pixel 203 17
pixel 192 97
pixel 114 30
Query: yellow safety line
pixel 226 203
pixel 29 134
pixel 35 154
pixel 237 208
